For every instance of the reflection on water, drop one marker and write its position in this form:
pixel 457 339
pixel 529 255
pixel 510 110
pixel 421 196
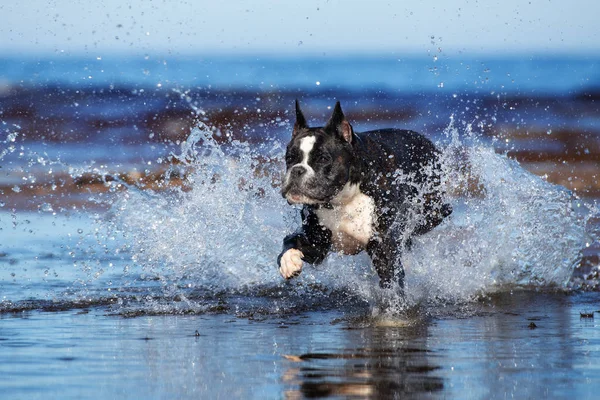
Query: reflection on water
pixel 387 362
pixel 494 353
pixel 480 350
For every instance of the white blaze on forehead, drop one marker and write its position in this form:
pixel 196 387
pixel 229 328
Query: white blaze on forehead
pixel 306 145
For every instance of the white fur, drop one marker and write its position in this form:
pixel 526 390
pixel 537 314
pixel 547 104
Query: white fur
pixel 351 220
pixel 306 145
pixel 291 263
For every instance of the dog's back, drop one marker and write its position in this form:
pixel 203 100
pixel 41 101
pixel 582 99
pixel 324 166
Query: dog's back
pixel 403 167
pixel 397 148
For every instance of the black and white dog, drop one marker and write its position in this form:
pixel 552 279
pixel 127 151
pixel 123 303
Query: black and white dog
pixel 361 191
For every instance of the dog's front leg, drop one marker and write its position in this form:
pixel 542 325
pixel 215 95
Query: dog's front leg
pixel 385 253
pixel 310 243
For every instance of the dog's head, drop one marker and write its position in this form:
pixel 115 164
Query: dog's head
pixel 318 160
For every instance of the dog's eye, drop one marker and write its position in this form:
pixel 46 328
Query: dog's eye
pixel 323 158
pixel 290 157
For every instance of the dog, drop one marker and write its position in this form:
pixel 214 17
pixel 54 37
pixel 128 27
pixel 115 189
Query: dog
pixel 369 191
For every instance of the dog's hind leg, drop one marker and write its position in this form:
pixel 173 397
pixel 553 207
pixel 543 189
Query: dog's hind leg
pixel 385 254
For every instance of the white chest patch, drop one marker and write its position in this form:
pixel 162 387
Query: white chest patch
pixel 351 220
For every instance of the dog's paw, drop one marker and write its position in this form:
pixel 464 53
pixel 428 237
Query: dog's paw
pixel 290 264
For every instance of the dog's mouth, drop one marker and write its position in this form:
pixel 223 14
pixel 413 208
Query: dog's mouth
pixel 296 196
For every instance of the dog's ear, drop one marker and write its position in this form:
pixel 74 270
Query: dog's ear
pixel 300 120
pixel 339 125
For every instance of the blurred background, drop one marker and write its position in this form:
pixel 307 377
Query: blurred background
pixel 94 90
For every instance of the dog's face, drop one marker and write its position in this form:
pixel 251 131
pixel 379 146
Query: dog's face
pixel 318 160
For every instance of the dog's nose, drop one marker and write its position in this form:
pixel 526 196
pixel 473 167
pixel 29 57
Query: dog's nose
pixel 298 171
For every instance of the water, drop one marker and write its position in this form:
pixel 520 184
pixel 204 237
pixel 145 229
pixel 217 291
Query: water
pixel 409 73
pixel 487 352
pixel 139 227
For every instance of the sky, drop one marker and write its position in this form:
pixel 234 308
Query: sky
pixel 299 27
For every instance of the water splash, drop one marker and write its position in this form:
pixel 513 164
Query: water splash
pixel 509 229
pixel 223 232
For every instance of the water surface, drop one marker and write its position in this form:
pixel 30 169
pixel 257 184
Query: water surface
pixel 487 350
pixel 140 220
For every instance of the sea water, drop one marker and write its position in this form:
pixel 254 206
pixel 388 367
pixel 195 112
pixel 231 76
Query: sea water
pixel 103 217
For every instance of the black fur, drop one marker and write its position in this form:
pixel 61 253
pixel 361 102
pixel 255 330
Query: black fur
pixel 372 159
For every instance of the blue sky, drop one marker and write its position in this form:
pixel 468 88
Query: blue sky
pixel 298 27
